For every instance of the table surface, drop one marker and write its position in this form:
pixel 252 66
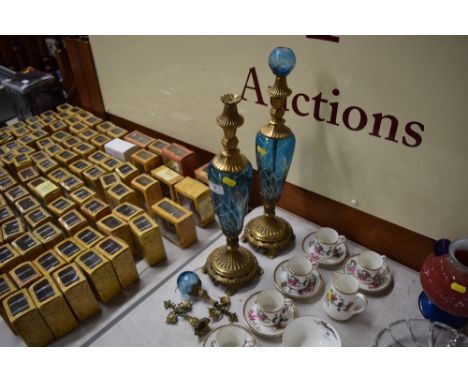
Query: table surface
pixel 151 278
pixel 145 324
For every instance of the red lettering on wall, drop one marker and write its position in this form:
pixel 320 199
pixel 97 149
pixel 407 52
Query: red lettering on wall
pixel 256 87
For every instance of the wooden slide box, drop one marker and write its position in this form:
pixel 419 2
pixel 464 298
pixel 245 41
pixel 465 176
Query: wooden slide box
pixel 180 159
pixel 12 229
pixel 71 142
pixel 66 157
pixel 68 249
pixel 7 182
pixel 9 258
pixel 44 189
pixel 49 235
pixel 92 120
pixel 176 222
pixel 98 157
pixel 28 246
pixel 56 126
pixel 38 156
pixel 26 150
pixel 105 126
pixel 82 195
pixel 27 174
pixel 49 262
pixel 77 291
pixel 112 225
pixel 25 274
pixel 118 252
pixel 32 119
pixel 28 140
pixel 60 136
pixel 15 193
pixel 21 161
pixel 110 164
pixel 42 144
pixel 148 191
pixel 120 193
pixel 6 214
pixel 91 177
pixel 196 197
pixel 100 273
pixel 20 131
pixel 127 211
pixel 157 146
pixel 63 107
pixel 167 178
pixel 52 307
pixel 99 141
pixel 116 132
pixel 7 160
pixel 139 139
pixel 148 237
pixel 145 160
pixel 64 115
pixel 94 210
pixel 48 120
pixel 127 172
pixel 61 206
pixel 47 165
pixel 26 205
pixel 47 113
pixel 26 319
pixel 72 222
pixel 79 166
pixel 7 288
pixel 53 150
pixel 84 149
pixel 37 217
pixel 77 127
pixel 58 175
pixel 88 134
pixel 71 183
pixel 88 237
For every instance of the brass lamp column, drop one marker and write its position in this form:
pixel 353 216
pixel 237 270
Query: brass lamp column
pixel 275 144
pixel 230 179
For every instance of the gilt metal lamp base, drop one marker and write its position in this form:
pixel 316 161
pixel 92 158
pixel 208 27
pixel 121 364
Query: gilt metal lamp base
pixel 232 268
pixel 269 234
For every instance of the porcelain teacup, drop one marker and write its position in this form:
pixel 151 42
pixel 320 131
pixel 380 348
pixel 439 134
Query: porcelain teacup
pixel 231 336
pixel 342 300
pixel 299 272
pixel 327 243
pixel 370 268
pixel 272 307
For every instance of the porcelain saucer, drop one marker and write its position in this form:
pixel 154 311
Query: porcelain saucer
pixel 251 319
pixel 350 268
pixel 336 259
pixel 311 331
pixel 210 340
pixel 280 277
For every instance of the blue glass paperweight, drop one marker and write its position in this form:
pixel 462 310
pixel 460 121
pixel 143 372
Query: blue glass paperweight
pixel 189 285
pixel 282 61
pixel 230 179
pixel 274 149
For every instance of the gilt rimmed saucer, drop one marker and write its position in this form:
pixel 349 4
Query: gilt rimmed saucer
pixel 210 340
pixel 252 320
pixel 350 267
pixel 332 261
pixel 311 290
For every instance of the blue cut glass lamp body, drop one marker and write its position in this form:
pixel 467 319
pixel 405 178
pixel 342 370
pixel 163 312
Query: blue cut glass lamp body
pixel 274 157
pixel 230 194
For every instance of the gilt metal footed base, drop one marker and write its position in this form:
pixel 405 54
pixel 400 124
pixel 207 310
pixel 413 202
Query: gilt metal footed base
pixel 269 234
pixel 232 269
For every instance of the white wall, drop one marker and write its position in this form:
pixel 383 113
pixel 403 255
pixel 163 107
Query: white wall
pixel 173 85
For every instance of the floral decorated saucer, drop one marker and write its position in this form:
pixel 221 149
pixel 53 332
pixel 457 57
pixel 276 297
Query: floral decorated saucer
pixel 311 331
pixel 249 338
pixel 308 245
pixel 378 285
pixel 314 286
pixel 252 320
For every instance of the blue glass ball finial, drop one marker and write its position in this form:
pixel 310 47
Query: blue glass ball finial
pixel 186 281
pixel 282 61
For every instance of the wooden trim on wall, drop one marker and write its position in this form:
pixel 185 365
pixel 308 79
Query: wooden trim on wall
pixel 392 240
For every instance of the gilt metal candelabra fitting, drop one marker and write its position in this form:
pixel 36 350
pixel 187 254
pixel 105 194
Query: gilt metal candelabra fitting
pixel 275 144
pixel 230 179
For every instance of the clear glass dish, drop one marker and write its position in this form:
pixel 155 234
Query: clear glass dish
pixel 420 333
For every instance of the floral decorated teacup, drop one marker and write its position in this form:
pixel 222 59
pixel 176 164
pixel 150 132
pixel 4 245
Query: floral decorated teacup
pixel 325 244
pixel 272 307
pixel 342 300
pixel 299 272
pixel 232 336
pixel 369 268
